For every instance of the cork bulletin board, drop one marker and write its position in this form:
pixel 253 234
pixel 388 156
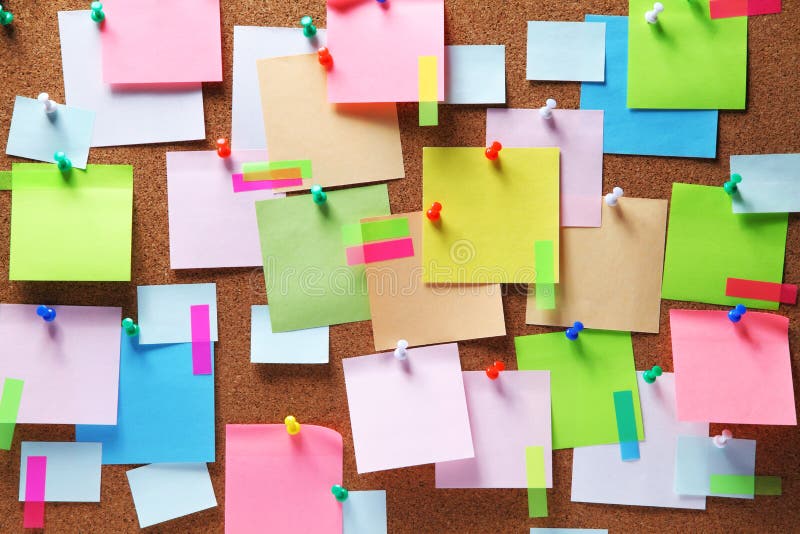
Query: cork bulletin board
pixel 249 393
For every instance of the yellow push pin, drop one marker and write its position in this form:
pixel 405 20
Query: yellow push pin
pixel 292 426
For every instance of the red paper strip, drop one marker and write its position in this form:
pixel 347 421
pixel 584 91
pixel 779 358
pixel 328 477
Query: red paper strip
pixel 35 476
pixel 721 9
pixel 201 340
pixel 753 289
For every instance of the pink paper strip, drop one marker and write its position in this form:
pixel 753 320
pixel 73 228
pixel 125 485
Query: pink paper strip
pixel 721 9
pixel 240 185
pixel 33 513
pixel 201 340
pixel 381 251
pixel 763 7
pixel 753 289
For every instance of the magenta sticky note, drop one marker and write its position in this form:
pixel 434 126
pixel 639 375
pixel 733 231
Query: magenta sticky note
pixel 376 46
pixel 154 42
pixel 729 372
pixel 579 135
pixel 201 339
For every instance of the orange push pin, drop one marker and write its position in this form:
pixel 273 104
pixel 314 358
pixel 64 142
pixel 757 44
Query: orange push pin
pixel 435 213
pixel 493 151
pixel 223 148
pixel 325 58
pixel 292 426
pixel 493 371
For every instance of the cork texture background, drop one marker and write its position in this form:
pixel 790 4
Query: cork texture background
pixel 246 393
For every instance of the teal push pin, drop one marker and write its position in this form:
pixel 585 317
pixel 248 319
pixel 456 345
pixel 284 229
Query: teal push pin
pixel 339 492
pixel 64 164
pixel 651 375
pixel 730 185
pixel 131 328
pixel 97 12
pixel 309 30
pixel 6 17
pixel 318 195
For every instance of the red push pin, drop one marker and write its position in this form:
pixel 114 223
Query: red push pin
pixel 493 371
pixel 223 148
pixel 435 213
pixel 325 58
pixel 493 151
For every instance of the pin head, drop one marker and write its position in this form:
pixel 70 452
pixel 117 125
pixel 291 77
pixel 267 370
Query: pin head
pixel 735 315
pixel 325 58
pixel 730 185
pixel 46 313
pixel 493 371
pixel 130 327
pixel 339 492
pixel 292 426
pixel 64 164
pixel 435 213
pixel 650 376
pixel 223 148
pixel 97 12
pixel 401 352
pixel 318 195
pixel 493 151
pixel 547 110
pixel 572 332
pixel 309 30
pixel 722 440
pixel 6 17
pixel 652 16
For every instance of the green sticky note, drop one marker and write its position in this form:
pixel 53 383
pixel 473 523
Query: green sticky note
pixel 537 502
pixel 745 485
pixel 687 60
pixel 356 234
pixel 584 374
pixel 308 280
pixel 5 180
pixel 71 227
pixel 9 407
pixel 545 275
pixel 428 113
pixel 707 243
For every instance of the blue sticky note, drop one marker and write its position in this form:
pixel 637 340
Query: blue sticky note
pixel 164 311
pixel 566 51
pixel 770 183
pixel 298 346
pixel 697 458
pixel 37 135
pixel 569 531
pixel 166 491
pixel 166 413
pixel 647 132
pixel 475 74
pixel 72 473
pixel 364 512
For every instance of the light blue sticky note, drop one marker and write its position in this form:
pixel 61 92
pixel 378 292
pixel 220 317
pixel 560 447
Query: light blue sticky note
pixel 364 512
pixel 164 311
pixel 566 51
pixel 72 473
pixel 647 132
pixel 770 183
pixel 165 491
pixel 298 346
pixel 475 74
pixel 569 531
pixel 37 135
pixel 166 413
pixel 697 458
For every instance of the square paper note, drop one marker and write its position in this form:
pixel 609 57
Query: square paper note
pixel 364 512
pixel 698 459
pixel 165 491
pixel 475 74
pixel 756 385
pixel 165 311
pixel 566 51
pixel 389 398
pixel 298 346
pixel 72 473
pixel 770 183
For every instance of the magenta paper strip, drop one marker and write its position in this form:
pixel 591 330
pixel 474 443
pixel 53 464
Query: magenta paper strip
pixel 721 9
pixel 240 185
pixel 382 251
pixel 33 513
pixel 201 340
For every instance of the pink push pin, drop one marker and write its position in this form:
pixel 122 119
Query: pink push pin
pixel 722 440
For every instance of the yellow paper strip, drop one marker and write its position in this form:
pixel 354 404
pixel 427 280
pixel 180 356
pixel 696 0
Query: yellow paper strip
pixel 428 91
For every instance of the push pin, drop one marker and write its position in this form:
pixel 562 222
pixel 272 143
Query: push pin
pixel 292 426
pixel 131 328
pixel 325 58
pixel 309 30
pixel 572 331
pixel 46 313
pixel 546 111
pixel 651 375
pixel 6 17
pixel 493 371
pixel 722 440
pixel 318 195
pixel 339 492
pixel 493 151
pixel 730 185
pixel 616 194
pixel 401 352
pixel 652 16
pixel 64 164
pixel 735 315
pixel 97 12
pixel 49 105
pixel 223 148
pixel 435 213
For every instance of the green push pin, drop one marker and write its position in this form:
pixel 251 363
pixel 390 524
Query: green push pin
pixel 131 328
pixel 318 195
pixel 64 164
pixel 650 376
pixel 730 186
pixel 97 12
pixel 339 492
pixel 6 17
pixel 309 30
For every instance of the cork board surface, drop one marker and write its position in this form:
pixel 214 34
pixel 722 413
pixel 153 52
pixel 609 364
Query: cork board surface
pixel 247 393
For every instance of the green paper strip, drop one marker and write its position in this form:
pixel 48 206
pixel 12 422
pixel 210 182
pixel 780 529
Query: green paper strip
pixel 626 419
pixel 745 485
pixel 429 114
pixel 5 180
pixel 9 407
pixel 545 275
pixel 356 234
pixel 260 166
pixel 537 502
pixel 534 473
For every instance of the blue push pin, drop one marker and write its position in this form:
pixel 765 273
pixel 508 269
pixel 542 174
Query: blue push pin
pixel 64 164
pixel 318 195
pixel 572 332
pixel 735 315
pixel 48 314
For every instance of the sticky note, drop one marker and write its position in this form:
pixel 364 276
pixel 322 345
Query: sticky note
pixel 298 346
pixel 273 479
pixel 36 476
pixel 687 60
pixel 9 410
pixel 537 494
pixel 754 289
pixel 69 366
pixel 408 412
pixel 566 51
pixel 165 311
pixel 475 74
pixel 364 512
pixel 707 244
pixel 622 263
pixel 770 183
pixel 585 372
pixel 646 132
pixel 600 476
pixel 73 470
pixel 697 458
pixel 166 413
pixel 578 135
pixel 749 361
pixel 125 115
pixel 492 213
pixel 375 51
pixel 166 491
pixel 35 134
pixel 518 400
pixel 428 87
pixel 721 9
pixel 201 339
pixel 308 281
pixel 91 210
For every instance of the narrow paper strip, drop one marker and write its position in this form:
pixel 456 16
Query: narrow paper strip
pixel 356 234
pixel 240 185
pixel 534 472
pixel 745 485
pixel 201 340
pixel 721 9
pixel 545 275
pixel 428 91
pixel 381 251
pixel 754 289
pixel 253 170
pixel 626 425
pixel 33 513
pixel 5 180
pixel 9 408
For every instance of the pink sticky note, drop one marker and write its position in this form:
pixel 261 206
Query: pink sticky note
pixel 148 41
pixel 729 372
pixel 376 47
pixel 35 477
pixel 579 135
pixel 276 482
pixel 505 416
pixel 201 339
pixel 240 185
pixel 407 412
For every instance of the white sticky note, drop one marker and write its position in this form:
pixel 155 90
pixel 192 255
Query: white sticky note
pixel 566 51
pixel 475 74
pixel 298 346
pixel 364 512
pixel 166 491
pixel 72 473
pixel 165 311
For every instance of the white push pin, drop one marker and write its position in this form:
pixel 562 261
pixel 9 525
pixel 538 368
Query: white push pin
pixel 611 198
pixel 722 440
pixel 546 111
pixel 652 16
pixel 49 105
pixel 400 352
